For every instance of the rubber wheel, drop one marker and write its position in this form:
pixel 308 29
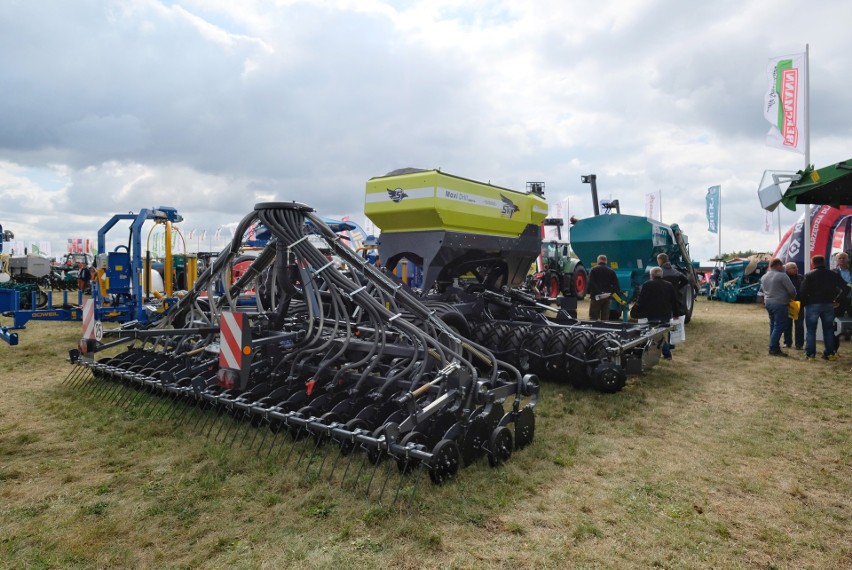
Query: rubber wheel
pixel 408 464
pixel 499 446
pixel 579 280
pixel 558 369
pixel 529 361
pixel 445 461
pixel 608 378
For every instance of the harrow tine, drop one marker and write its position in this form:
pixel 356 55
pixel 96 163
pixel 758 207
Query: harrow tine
pixel 216 417
pixel 242 427
pixel 336 459
pixel 223 419
pixel 154 399
pixel 257 429
pixel 76 375
pixel 389 467
pixel 272 443
pixel 317 442
pixel 373 474
pixel 292 447
pixel 264 427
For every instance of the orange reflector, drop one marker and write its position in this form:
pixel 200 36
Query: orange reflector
pixel 246 350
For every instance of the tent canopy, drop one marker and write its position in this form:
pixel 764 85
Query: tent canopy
pixel 829 186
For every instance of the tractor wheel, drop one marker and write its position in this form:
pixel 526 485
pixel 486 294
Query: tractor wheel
pixel 688 302
pixel 579 280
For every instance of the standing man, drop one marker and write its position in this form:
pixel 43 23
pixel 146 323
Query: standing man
pixel 657 302
pixel 603 282
pixel 844 308
pixel 820 294
pixel 792 271
pixel 777 291
pixel 675 277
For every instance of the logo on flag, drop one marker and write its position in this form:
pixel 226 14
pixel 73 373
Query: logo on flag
pixel 713 195
pixel 784 104
pixel 652 205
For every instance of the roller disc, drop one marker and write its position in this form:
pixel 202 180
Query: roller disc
pixel 474 441
pixel 499 446
pixel 608 378
pixel 445 462
pixel 407 464
pixel 524 428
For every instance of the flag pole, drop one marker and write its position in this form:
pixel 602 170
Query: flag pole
pixel 807 260
pixel 719 224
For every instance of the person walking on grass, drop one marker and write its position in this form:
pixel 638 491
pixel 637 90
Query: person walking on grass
pixel 844 308
pixel 658 302
pixel 821 292
pixel 603 282
pixel 798 324
pixel 777 291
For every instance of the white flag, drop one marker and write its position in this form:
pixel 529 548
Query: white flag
pixel 784 104
pixel 652 205
pixel 767 222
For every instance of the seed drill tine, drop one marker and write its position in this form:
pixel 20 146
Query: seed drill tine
pixel 272 443
pixel 78 374
pixel 313 453
pixel 241 428
pixel 245 418
pixel 322 463
pixel 302 454
pixel 154 399
pixel 373 474
pixel 389 468
pixel 292 447
pixel 257 429
pixel 360 471
pixel 264 426
pixel 224 419
pixel 86 381
pixel 336 459
pixel 220 411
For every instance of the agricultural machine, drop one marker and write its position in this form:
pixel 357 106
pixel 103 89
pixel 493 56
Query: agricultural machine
pixel 631 244
pixel 738 280
pixel 328 356
pixel 125 288
pixel 561 271
pixel 475 243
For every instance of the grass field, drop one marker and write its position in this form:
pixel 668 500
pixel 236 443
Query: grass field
pixel 721 458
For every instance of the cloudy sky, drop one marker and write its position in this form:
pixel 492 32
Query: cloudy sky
pixel 209 106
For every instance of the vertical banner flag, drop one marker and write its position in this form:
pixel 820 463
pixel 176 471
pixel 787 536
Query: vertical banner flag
pixel 713 194
pixel 784 105
pixel 767 222
pixel 559 210
pixel 652 205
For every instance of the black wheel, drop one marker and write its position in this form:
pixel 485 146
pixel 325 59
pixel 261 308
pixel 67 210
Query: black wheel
pixel 530 353
pixel 578 370
pixel 688 302
pixel 559 367
pixel 524 428
pixel 408 464
pixel 510 344
pixel 499 446
pixel 445 462
pixel 347 445
pixel 608 378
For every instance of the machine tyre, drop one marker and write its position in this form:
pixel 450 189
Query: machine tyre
pixel 500 446
pixel 579 281
pixel 445 462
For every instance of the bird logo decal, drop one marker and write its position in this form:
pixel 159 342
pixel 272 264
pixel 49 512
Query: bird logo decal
pixel 509 207
pixel 397 194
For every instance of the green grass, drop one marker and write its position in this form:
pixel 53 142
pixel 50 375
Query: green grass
pixel 721 458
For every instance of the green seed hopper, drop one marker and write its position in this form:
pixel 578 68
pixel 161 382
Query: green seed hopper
pixel 631 244
pixel 451 226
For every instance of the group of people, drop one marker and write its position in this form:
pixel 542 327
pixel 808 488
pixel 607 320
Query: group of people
pixel 822 293
pixel 85 276
pixel 658 299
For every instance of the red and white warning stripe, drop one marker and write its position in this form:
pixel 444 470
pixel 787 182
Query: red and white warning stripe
pixel 89 319
pixel 230 339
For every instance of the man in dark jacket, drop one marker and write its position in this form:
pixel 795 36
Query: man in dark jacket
pixel 657 302
pixel 844 308
pixel 603 282
pixel 792 271
pixel 820 293
pixel 675 277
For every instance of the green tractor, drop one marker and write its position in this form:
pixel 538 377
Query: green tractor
pixel 561 270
